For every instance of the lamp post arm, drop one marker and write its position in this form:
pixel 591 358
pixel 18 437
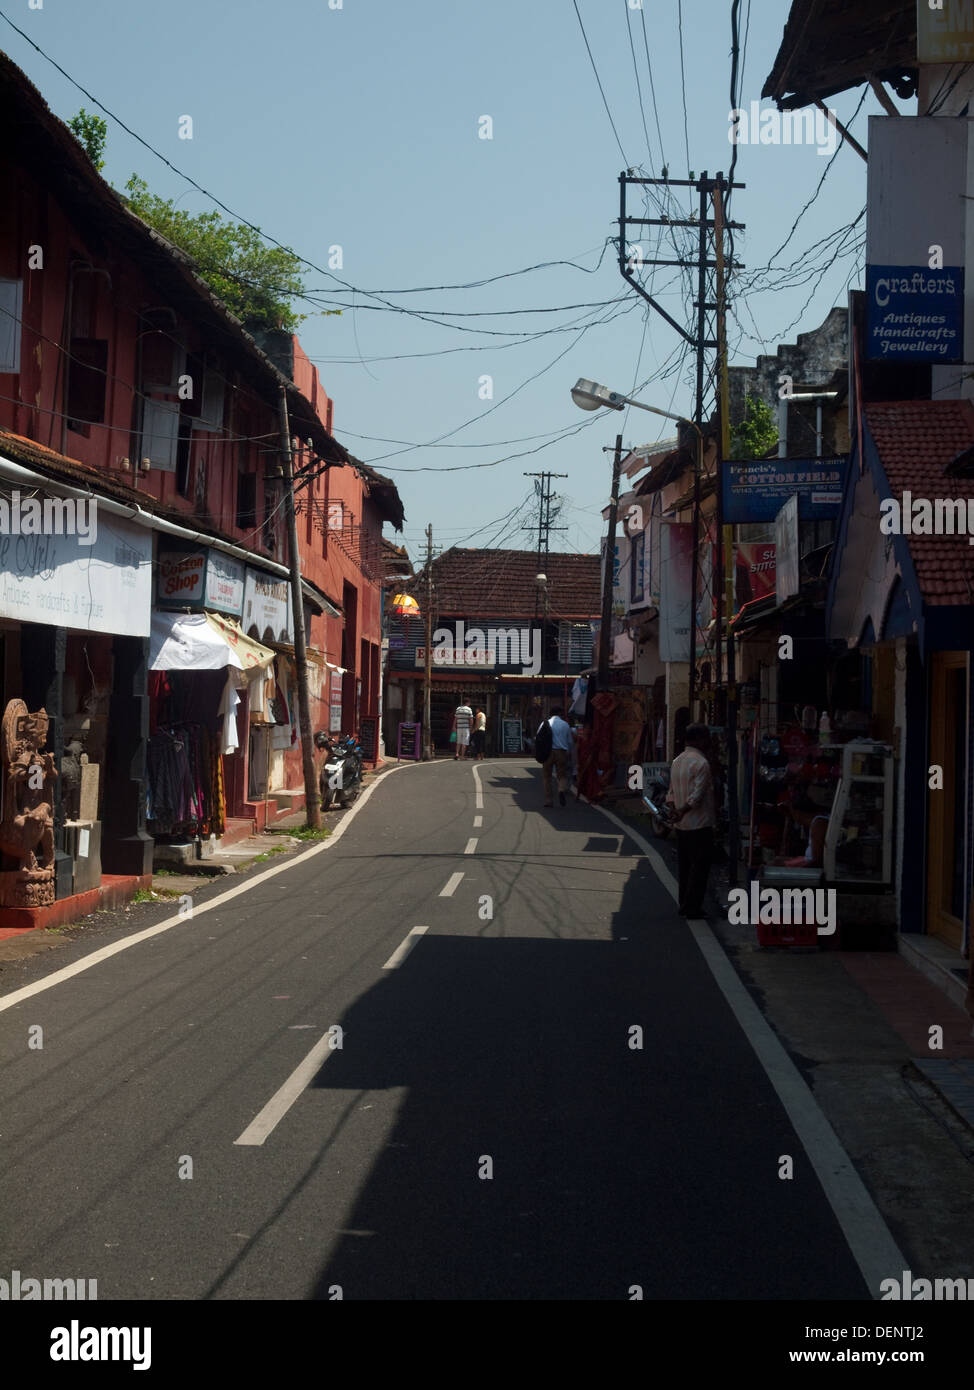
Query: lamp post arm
pixel 654 410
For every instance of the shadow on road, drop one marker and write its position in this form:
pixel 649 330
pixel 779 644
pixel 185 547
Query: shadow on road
pixel 548 1149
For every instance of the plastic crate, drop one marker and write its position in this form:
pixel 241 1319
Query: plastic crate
pixel 804 934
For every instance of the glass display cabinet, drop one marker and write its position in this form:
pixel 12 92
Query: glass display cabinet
pixel 859 839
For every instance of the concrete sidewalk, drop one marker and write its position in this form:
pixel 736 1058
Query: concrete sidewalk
pixel 889 1057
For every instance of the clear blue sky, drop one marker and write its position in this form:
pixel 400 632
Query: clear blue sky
pixel 359 127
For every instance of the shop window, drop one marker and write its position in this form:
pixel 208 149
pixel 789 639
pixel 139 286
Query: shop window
pixel 246 501
pixel 11 306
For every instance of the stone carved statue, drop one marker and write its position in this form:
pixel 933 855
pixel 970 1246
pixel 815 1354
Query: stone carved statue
pixel 71 764
pixel 27 824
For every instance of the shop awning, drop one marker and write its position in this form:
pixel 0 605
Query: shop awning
pixel 203 642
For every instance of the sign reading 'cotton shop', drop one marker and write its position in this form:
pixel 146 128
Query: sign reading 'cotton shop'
pixel 199 578
pixel 915 314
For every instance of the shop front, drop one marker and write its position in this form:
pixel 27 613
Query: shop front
pixel 213 699
pixel 74 627
pixel 902 597
pixel 207 680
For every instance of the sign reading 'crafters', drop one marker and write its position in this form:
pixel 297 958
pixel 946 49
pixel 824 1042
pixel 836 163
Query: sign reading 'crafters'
pixel 914 314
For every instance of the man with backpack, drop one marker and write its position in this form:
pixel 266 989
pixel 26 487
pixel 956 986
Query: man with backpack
pixel 553 750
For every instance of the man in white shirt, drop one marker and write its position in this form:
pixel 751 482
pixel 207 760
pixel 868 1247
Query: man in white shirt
pixel 462 719
pixel 691 795
pixel 560 758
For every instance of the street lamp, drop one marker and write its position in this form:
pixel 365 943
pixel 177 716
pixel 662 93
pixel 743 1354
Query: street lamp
pixel 589 395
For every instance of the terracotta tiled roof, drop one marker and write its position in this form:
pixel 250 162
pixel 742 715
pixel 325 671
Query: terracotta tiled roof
pixel 501 584
pixel 916 441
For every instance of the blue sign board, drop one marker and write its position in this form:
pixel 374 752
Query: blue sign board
pixel 758 489
pixel 914 314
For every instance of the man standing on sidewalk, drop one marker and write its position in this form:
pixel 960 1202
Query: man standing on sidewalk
pixel 560 757
pixel 462 719
pixel 692 796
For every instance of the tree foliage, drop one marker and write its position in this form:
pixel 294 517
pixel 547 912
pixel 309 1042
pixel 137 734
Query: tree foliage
pixel 91 132
pixel 757 433
pixel 255 281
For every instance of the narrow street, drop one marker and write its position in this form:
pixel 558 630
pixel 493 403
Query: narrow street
pixel 486 1129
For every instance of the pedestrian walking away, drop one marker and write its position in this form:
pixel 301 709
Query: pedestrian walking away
pixel 691 794
pixel 559 758
pixel 462 720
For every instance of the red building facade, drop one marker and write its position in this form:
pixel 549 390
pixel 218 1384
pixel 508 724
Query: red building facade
pixel 125 381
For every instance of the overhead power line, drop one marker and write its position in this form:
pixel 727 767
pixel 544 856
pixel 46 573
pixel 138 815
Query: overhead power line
pixel 599 81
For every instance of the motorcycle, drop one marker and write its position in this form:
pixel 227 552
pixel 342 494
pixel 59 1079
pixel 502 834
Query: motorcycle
pixel 341 776
pixel 660 810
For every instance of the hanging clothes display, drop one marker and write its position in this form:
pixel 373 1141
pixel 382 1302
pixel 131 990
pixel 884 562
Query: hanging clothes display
pixel 228 711
pixel 283 734
pixel 218 799
pixel 184 796
pixel 579 697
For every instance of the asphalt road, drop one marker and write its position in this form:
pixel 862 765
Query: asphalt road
pixel 487 1128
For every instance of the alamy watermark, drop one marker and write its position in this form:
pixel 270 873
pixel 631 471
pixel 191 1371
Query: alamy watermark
pixel 49 516
pixel 21 1289
pixel 782 906
pixel 493 646
pixel 923 516
pixel 752 126
pixel 77 1343
pixel 915 1290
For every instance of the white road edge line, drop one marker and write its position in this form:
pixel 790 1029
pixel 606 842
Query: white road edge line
pixel 283 1098
pixel 867 1235
pixel 477 822
pixel 471 845
pixel 452 884
pixel 479 802
pixel 404 948
pixel 8 1001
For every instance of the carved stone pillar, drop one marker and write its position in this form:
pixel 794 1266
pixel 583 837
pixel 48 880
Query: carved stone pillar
pixel 42 659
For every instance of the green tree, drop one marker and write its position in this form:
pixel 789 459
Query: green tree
pixel 255 281
pixel 91 132
pixel 755 435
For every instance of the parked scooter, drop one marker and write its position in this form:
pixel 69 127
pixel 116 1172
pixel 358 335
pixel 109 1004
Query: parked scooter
pixel 660 810
pixel 341 776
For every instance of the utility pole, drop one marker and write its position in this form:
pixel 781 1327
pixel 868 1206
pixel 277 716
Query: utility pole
pixel 727 549
pixel 544 533
pixel 297 608
pixel 608 570
pixel 631 259
pixel 545 528
pixel 428 664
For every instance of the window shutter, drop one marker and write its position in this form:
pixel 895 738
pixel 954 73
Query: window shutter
pixel 11 304
pixel 160 434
